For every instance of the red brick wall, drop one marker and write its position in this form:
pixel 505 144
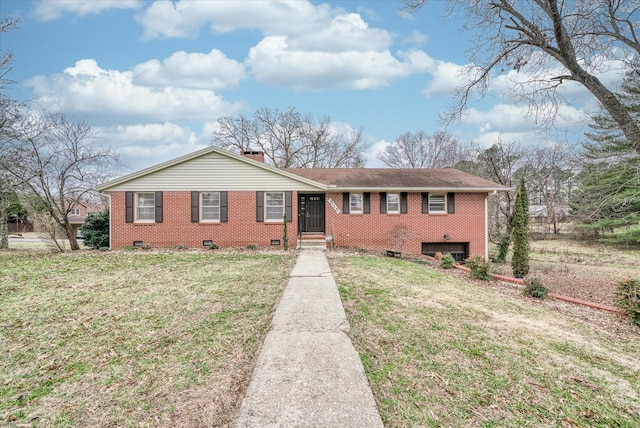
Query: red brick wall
pixel 375 230
pixel 371 231
pixel 177 228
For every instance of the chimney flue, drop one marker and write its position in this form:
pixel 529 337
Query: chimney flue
pixel 253 154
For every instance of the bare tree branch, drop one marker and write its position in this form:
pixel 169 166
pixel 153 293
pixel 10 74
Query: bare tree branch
pixel 292 140
pixel 579 36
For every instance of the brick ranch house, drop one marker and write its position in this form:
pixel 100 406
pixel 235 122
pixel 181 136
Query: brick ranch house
pixel 235 200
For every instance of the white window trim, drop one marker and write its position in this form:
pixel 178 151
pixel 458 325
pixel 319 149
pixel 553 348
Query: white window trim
pixel 284 203
pixel 354 211
pixel 137 219
pixel 444 209
pixel 75 211
pixel 206 220
pixel 396 211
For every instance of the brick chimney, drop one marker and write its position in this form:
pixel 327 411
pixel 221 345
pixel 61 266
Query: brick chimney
pixel 253 154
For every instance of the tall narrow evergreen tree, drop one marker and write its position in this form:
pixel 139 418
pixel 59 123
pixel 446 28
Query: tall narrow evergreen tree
pixel 520 230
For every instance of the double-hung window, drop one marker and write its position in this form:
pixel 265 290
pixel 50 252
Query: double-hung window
pixel 437 203
pixel 393 203
pixel 274 206
pixel 210 206
pixel 145 207
pixel 355 203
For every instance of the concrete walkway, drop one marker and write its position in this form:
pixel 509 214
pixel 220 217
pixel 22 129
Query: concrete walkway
pixel 308 373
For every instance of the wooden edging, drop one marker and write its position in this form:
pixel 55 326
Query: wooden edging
pixel 520 282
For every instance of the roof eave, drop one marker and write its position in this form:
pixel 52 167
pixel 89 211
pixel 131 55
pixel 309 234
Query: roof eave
pixel 419 189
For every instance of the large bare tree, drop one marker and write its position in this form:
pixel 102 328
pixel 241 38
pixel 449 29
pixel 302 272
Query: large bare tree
pixel 56 163
pixel 9 114
pixel 421 150
pixel 290 139
pixel 579 38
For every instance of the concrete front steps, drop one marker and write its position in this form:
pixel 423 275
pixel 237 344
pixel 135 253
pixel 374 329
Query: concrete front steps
pixel 312 241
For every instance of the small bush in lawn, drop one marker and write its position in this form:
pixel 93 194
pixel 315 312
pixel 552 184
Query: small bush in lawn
pixel 629 299
pixel 104 248
pixel 447 261
pixel 479 268
pixel 213 246
pixel 533 287
pixel 251 247
pixel 146 247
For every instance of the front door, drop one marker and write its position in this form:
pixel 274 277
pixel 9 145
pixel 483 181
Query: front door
pixel 311 213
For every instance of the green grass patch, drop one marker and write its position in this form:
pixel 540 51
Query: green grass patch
pixel 131 339
pixel 439 351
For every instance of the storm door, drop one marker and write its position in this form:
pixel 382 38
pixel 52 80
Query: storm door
pixel 311 210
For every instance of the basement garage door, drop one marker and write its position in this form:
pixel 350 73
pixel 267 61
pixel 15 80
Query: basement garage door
pixel 459 250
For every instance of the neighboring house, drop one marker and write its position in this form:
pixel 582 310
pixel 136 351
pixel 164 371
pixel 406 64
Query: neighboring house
pixel 543 214
pixel 77 217
pixel 235 200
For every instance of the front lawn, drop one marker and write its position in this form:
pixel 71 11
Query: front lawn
pixel 441 351
pixel 132 338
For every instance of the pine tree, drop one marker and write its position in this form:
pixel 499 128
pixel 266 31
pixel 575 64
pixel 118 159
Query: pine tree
pixel 608 195
pixel 95 230
pixel 520 230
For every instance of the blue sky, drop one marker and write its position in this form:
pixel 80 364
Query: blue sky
pixel 152 77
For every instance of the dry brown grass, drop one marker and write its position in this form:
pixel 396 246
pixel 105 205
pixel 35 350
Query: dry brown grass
pixel 582 269
pixel 132 338
pixel 440 350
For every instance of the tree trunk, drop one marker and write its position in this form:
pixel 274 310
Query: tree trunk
pixel 71 236
pixel 4 229
pixel 619 113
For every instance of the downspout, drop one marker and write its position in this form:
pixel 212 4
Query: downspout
pixel 486 226
pixel 110 223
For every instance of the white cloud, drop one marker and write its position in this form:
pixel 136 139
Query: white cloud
pixel 447 76
pixel 344 33
pixel 48 10
pixel 505 118
pixel 273 61
pixel 87 88
pixel 144 145
pixel 371 155
pixel 416 38
pixel 305 46
pixel 190 70
pixel 184 18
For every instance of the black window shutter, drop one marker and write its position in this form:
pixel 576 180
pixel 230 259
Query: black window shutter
pixel 224 207
pixel 451 203
pixel 128 202
pixel 195 207
pixel 403 202
pixel 366 204
pixel 425 203
pixel 287 204
pixel 158 207
pixel 345 202
pixel 383 202
pixel 259 206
